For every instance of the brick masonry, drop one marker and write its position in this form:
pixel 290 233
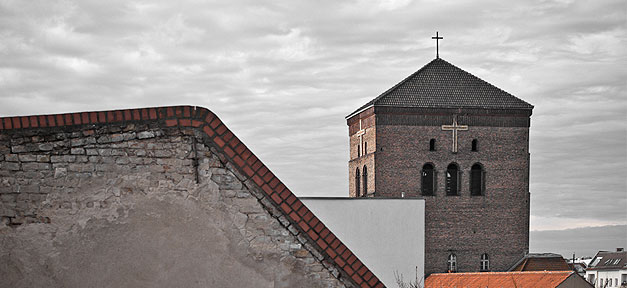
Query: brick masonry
pixel 496 223
pixel 69 180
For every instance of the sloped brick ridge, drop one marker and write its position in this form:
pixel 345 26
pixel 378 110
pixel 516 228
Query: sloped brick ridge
pixel 274 196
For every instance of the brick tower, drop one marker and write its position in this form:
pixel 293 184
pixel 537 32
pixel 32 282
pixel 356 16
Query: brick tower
pixel 463 145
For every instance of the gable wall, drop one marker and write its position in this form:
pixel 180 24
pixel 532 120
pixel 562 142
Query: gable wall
pixel 119 205
pixel 207 128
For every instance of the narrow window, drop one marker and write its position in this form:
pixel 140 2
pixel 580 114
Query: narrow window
pixel 365 176
pixel 428 180
pixel 432 145
pixel 477 180
pixel 474 145
pixel 357 181
pixel 452 263
pixel 485 262
pixel 452 180
pixel 365 148
pixel 358 152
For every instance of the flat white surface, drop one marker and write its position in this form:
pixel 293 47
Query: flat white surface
pixel 605 274
pixel 387 235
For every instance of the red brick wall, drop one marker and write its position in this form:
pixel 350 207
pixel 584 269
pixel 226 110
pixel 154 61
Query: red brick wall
pixel 496 223
pixel 367 159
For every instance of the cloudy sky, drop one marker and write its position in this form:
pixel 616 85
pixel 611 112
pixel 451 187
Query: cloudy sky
pixel 284 74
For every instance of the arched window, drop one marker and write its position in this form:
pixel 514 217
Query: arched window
pixel 357 181
pixel 452 263
pixel 485 262
pixel 474 145
pixel 477 180
pixel 428 180
pixel 432 145
pixel 365 176
pixel 452 180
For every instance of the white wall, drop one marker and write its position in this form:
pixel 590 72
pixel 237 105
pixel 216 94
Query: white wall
pixel 386 234
pixel 605 274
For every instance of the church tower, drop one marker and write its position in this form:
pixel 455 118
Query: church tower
pixel 463 145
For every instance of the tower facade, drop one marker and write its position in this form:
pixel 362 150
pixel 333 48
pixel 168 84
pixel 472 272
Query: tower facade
pixel 463 145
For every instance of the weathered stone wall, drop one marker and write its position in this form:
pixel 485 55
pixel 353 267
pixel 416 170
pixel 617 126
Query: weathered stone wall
pixel 119 206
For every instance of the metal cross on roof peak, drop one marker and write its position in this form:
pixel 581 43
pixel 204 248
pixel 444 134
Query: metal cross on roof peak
pixel 437 45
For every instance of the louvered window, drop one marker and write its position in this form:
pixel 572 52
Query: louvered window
pixel 477 180
pixel 365 176
pixel 453 178
pixel 357 181
pixel 428 180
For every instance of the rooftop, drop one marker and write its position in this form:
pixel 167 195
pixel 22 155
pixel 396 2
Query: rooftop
pixel 499 279
pixel 440 84
pixel 541 262
pixel 605 260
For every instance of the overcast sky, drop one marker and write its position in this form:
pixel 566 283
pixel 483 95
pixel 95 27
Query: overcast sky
pixel 284 74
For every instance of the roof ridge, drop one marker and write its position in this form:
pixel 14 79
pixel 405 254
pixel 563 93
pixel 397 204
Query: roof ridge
pixel 293 214
pixel 486 82
pixel 440 84
pixel 405 80
pixel 373 101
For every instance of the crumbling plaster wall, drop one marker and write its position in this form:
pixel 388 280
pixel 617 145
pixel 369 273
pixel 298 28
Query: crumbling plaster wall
pixel 119 206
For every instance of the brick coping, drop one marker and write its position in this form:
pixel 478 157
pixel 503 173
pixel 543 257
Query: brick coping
pixel 238 154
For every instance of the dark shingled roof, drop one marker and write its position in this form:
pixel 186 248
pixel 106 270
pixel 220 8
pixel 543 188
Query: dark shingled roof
pixel 605 260
pixel 440 84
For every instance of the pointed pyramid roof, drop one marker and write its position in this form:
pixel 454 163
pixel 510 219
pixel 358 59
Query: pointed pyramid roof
pixel 440 84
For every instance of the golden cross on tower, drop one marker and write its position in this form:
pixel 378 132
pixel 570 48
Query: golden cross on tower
pixel 361 133
pixel 454 128
pixel 437 45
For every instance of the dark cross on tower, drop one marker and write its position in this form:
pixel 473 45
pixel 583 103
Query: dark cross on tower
pixel 437 45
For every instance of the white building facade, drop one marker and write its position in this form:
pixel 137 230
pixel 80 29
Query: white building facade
pixel 386 234
pixel 608 269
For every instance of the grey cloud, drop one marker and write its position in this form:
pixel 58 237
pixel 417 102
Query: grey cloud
pixel 585 241
pixel 283 75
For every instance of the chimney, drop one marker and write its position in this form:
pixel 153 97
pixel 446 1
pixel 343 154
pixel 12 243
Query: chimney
pixel 620 249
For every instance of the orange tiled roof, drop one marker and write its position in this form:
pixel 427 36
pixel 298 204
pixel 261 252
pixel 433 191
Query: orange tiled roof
pixel 497 279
